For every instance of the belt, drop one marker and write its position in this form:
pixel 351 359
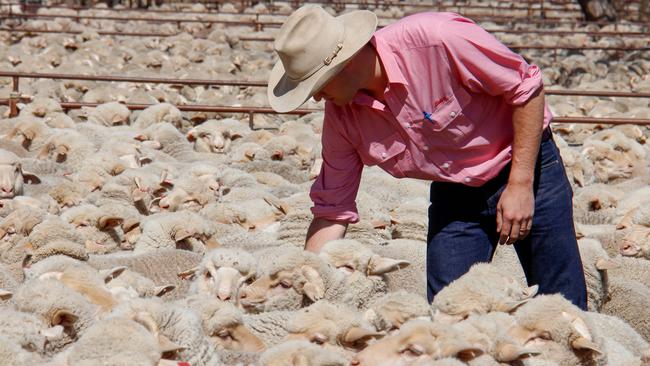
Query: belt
pixel 547 134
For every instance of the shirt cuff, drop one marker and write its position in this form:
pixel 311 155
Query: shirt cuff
pixel 532 81
pixel 346 213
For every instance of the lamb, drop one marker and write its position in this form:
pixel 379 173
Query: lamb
pixel 173 143
pixel 12 175
pixel 50 237
pixel 174 230
pixel 188 193
pixel 301 353
pixel 159 113
pixel 256 213
pixel 334 326
pixel 409 223
pixel 222 272
pixel 110 114
pixel 481 290
pixel 216 136
pixel 609 164
pixel 41 107
pixel 181 326
pixel 390 311
pixel 596 204
pixel 417 340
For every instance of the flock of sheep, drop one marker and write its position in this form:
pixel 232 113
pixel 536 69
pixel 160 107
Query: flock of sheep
pixel 158 237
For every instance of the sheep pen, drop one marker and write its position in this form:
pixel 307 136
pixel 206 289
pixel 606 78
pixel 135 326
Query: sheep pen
pixel 163 235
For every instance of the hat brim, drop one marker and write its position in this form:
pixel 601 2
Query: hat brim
pixel 286 95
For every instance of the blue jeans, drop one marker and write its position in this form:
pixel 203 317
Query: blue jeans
pixel 462 231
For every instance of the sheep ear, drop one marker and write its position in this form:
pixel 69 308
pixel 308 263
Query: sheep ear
pixel 112 273
pixel 314 288
pixel 138 195
pixel 161 290
pixel 116 119
pixel 30 178
pixel 583 343
pixel 52 332
pixel 531 291
pixel 65 318
pixel 106 222
pixel 5 295
pixel 45 151
pixel 509 306
pixel 128 225
pixel 181 234
pixel 381 265
pixel 462 350
pixel 188 274
pixel 508 352
pixel 356 334
pixel 191 135
pixel 166 345
pixel 62 150
pixel 606 264
pixel 212 243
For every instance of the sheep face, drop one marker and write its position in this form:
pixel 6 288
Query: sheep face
pixel 283 290
pixel 26 131
pixel 417 341
pixel 237 337
pixel 636 243
pixel 213 140
pixel 12 178
pixel 222 282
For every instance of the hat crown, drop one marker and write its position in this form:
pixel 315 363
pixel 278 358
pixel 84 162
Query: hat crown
pixel 308 40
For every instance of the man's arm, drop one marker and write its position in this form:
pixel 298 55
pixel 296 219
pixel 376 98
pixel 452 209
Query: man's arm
pixel 321 231
pixel 517 203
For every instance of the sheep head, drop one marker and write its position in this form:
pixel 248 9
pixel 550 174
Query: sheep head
pixel 350 255
pixel 417 341
pixel 12 176
pixel 636 243
pixel 223 272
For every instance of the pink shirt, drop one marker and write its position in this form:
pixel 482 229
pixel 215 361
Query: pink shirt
pixel 448 113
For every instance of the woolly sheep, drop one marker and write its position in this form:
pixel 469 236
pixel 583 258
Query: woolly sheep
pixel 560 331
pixel 68 147
pixel 331 325
pixel 349 256
pixel 27 330
pixel 301 353
pixel 626 302
pixel 597 266
pixel 595 204
pixel 632 269
pixel 12 175
pixel 269 326
pixel 177 323
pixel 417 340
pixel 96 226
pixel 188 193
pixel 291 278
pixel 130 284
pixel 390 311
pixel 53 236
pixel 110 114
pixel 636 243
pixel 412 278
pixel 615 329
pixel 216 136
pixel 174 230
pixel 222 272
pixel 57 304
pixel 481 290
pixel 159 113
pixel 223 322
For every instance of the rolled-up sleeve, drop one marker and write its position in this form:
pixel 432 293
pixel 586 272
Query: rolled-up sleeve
pixel 485 65
pixel 335 190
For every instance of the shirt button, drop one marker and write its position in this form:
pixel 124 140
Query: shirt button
pixel 425 148
pixel 408 125
pixel 445 166
pixel 452 114
pixel 383 155
pixel 467 179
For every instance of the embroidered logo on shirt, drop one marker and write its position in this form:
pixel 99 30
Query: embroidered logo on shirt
pixel 427 116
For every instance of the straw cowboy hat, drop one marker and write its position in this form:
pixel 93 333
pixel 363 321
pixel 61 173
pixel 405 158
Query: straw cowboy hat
pixel 313 47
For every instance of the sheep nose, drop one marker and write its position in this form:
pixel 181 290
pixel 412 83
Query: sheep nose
pixel 242 295
pixel 7 189
pixel 223 296
pixel 355 362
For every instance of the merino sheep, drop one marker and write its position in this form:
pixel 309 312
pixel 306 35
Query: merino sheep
pixel 222 272
pixel 390 311
pixel 301 352
pixel 481 290
pixel 12 175
pixel 185 230
pixel 216 136
pixel 159 113
pixel 110 114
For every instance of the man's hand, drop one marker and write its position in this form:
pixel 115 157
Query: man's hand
pixel 515 212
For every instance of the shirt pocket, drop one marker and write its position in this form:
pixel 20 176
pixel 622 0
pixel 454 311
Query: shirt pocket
pixel 444 123
pixel 386 153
